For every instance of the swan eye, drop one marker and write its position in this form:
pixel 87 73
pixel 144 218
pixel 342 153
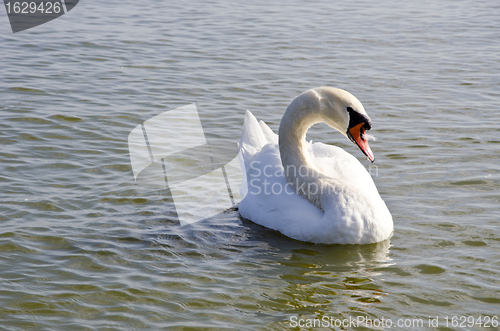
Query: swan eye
pixel 356 118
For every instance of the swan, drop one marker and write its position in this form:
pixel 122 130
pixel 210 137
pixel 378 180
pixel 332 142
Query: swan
pixel 312 192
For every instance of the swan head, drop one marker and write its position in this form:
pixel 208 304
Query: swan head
pixel 342 111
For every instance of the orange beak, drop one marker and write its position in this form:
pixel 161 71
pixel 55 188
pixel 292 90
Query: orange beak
pixel 357 135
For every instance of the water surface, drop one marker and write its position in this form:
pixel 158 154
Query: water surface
pixel 82 247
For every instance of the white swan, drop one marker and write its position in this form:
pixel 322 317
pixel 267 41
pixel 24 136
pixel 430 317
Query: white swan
pixel 313 192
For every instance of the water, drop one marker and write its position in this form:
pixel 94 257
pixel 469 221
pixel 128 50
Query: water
pixel 84 248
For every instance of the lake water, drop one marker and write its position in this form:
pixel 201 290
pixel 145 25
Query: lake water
pixel 82 247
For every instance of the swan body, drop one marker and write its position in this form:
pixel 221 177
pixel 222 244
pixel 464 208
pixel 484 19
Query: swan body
pixel 313 192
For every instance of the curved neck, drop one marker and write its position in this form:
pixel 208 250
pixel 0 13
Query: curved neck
pixel 299 169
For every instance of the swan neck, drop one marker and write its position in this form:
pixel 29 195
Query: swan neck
pixel 292 137
pixel 300 170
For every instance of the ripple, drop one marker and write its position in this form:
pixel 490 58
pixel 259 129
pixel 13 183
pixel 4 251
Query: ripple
pixel 430 269
pixel 34 120
pixel 470 182
pixel 488 300
pixel 27 90
pixel 475 243
pixel 64 118
pixel 11 247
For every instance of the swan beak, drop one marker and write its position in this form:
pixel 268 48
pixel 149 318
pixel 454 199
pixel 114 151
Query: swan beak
pixel 357 136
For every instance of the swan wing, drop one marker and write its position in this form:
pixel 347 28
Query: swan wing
pixel 355 191
pixel 272 203
pixel 338 164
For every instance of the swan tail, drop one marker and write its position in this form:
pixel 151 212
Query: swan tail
pixel 252 135
pixel 271 137
pixel 255 135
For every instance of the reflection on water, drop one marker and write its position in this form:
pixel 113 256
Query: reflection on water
pixel 284 277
